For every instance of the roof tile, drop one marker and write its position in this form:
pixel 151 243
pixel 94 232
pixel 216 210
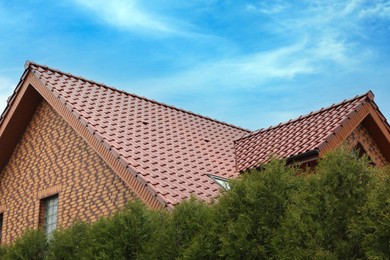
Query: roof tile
pixel 297 136
pixel 153 138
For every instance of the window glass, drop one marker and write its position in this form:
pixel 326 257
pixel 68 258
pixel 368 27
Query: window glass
pixel 220 181
pixel 50 209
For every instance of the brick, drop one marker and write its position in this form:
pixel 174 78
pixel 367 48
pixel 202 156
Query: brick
pixel 56 144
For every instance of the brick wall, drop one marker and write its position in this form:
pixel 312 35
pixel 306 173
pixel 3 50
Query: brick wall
pixel 361 135
pixel 51 158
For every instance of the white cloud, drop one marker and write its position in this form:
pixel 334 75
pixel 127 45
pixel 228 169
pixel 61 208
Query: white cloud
pixel 269 9
pixel 332 28
pixel 380 9
pixel 128 15
pixel 6 88
pixel 239 72
pixel 256 69
pixel 330 47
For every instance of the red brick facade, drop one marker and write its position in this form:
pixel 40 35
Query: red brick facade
pixel 52 158
pixel 362 136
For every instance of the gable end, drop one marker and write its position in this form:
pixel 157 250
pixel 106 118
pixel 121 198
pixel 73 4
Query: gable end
pixel 20 110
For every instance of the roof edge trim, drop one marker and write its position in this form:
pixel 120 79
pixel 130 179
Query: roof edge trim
pixel 369 94
pixel 126 172
pixel 301 156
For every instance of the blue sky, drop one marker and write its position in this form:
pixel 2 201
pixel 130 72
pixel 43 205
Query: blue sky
pixel 249 63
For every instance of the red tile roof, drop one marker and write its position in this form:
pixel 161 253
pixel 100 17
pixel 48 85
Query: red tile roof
pixel 171 150
pixel 298 136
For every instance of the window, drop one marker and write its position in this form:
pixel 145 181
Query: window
pixel 360 149
pixel 220 181
pixel 361 152
pixel 1 226
pixel 48 214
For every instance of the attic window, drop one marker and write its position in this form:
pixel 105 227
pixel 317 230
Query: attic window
pixel 361 151
pixel 223 182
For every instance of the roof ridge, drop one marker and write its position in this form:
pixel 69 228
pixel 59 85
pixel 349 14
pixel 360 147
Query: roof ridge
pixel 369 94
pixel 28 63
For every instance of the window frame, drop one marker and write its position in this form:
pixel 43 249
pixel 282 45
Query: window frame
pixel 48 214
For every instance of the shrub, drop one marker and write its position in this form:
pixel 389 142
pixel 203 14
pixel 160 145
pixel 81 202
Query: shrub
pixel 371 227
pixel 32 245
pixel 121 236
pixel 247 216
pixel 317 221
pixel 177 230
pixel 69 243
pixel 341 211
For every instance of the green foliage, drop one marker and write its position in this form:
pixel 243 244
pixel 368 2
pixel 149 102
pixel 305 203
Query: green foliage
pixel 249 214
pixel 343 183
pixel 341 211
pixel 69 243
pixel 371 227
pixel 178 229
pixel 119 237
pixel 318 221
pixel 32 245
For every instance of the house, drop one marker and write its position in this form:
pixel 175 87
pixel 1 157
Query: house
pixel 71 148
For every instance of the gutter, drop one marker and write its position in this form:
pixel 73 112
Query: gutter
pixel 304 157
pixel 299 158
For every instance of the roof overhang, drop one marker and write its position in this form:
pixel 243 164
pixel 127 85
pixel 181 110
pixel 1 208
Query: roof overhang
pixel 16 116
pixel 18 113
pixel 304 157
pixel 369 115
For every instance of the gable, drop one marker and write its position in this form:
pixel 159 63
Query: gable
pixel 309 137
pixel 368 116
pixel 15 118
pixel 51 157
pixel 361 137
